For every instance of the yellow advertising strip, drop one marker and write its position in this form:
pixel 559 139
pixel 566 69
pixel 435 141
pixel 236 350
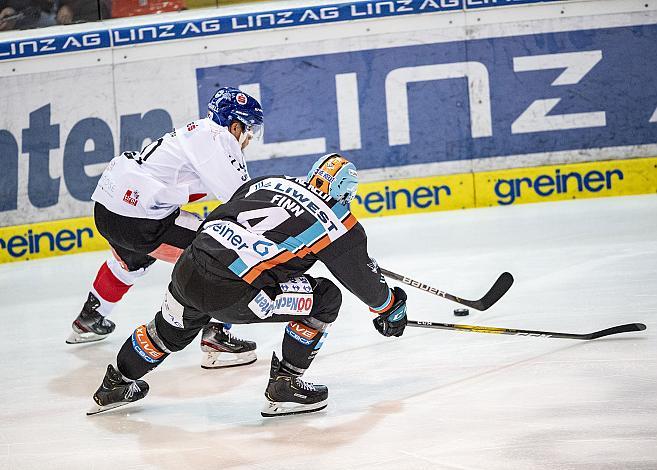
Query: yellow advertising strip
pixel 562 182
pixel 415 195
pixel 62 237
pixel 45 239
pixel 407 196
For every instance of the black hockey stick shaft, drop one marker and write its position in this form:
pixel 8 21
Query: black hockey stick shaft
pixel 517 332
pixel 495 293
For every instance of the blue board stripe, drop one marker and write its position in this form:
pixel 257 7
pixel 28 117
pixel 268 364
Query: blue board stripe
pixel 121 36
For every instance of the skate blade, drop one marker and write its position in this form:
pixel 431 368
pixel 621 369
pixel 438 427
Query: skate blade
pixel 221 360
pixel 99 409
pixel 273 409
pixel 77 338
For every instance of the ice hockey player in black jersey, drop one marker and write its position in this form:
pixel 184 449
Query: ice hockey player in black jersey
pixel 137 210
pixel 247 265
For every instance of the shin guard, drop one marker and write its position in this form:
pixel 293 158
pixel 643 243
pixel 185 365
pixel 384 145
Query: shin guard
pixel 301 343
pixel 141 352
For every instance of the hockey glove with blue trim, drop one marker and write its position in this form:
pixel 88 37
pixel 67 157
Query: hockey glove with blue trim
pixel 392 320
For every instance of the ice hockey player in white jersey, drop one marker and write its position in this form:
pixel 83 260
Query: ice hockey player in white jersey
pixel 137 210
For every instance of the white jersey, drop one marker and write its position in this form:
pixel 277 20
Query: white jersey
pixel 184 165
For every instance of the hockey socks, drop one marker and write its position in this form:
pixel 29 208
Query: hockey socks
pixel 111 284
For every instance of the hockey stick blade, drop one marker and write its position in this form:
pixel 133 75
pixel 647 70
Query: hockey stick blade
pixel 617 329
pixel 518 332
pixel 495 293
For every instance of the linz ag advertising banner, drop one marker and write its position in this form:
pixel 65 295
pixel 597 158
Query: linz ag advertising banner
pixel 387 108
pixel 457 101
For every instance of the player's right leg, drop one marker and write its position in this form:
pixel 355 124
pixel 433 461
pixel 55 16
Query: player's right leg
pixel 172 329
pixel 130 240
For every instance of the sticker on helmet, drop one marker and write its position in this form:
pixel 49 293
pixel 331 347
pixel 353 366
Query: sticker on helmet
pixel 325 175
pixel 241 98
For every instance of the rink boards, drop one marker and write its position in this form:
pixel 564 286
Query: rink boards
pixel 444 104
pixel 392 197
pixel 404 89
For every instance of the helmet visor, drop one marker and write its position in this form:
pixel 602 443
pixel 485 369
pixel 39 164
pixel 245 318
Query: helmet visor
pixel 255 131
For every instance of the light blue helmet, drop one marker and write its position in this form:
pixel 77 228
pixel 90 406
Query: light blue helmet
pixel 229 104
pixel 336 176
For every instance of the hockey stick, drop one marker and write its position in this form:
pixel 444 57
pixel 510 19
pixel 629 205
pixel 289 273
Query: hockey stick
pixel 516 332
pixel 495 293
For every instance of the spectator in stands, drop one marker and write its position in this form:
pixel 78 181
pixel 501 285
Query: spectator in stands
pixel 81 11
pixel 7 16
pixel 123 8
pixel 26 14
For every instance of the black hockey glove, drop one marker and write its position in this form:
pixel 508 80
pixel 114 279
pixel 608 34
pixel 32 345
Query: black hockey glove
pixel 392 321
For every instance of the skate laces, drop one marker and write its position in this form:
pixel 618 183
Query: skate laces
pixel 304 385
pixel 132 389
pixel 232 337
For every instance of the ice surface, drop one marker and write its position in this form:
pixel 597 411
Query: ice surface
pixel 429 400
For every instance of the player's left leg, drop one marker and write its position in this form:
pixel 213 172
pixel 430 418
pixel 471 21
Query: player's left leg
pixel 308 305
pixel 172 329
pixel 286 392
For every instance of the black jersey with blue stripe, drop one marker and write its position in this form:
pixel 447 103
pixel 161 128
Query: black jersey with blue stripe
pixel 275 228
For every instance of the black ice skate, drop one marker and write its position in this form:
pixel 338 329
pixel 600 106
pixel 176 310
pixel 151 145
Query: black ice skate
pixel 223 349
pixel 289 395
pixel 115 391
pixel 90 325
